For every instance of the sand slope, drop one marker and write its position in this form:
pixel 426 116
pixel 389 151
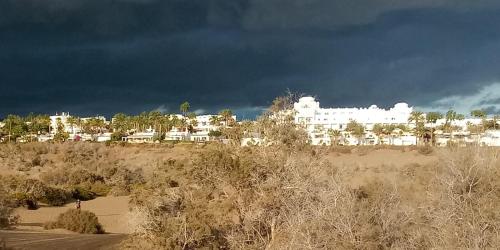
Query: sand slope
pixel 111 212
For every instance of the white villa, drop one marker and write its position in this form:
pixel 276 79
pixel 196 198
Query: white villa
pixel 309 113
pixel 317 121
pixel 63 117
pixel 201 129
pixel 72 129
pixel 141 137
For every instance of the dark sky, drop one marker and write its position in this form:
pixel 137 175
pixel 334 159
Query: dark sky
pixel 106 56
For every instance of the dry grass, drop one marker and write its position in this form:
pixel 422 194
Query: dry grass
pixel 285 196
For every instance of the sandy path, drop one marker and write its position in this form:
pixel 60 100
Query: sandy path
pixel 111 211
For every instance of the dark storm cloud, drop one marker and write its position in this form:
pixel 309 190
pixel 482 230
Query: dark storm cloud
pixel 110 56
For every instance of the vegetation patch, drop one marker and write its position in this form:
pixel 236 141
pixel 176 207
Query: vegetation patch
pixel 77 221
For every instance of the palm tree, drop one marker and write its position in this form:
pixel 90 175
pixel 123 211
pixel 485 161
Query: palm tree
pixel 227 116
pixel 184 108
pixel 120 122
pixel 215 120
pixel 334 135
pixel 478 113
pixel 450 116
pixel 379 130
pixel 16 126
pixel 432 117
pixel 71 120
pixel 418 118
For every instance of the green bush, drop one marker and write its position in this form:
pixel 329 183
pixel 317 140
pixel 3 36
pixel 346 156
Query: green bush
pixel 28 192
pixel 100 188
pixel 25 200
pixel 83 194
pixel 77 221
pixel 55 196
pixel 117 136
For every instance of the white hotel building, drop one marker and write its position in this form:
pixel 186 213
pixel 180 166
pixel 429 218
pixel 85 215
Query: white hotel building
pixel 317 120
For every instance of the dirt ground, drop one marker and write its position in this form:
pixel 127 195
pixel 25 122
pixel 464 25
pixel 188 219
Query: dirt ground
pixel 111 211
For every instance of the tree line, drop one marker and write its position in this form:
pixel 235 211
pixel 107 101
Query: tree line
pixel 30 126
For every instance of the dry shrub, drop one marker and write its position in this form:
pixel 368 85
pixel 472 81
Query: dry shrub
pixel 425 150
pixel 267 197
pixel 7 217
pixel 56 176
pixel 465 205
pixel 341 149
pixel 115 180
pixel 363 150
pixel 80 175
pixel 77 221
pixel 28 192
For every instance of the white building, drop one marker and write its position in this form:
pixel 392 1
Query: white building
pixel 63 118
pixel 309 113
pixel 72 129
pixel 317 121
pixel 491 138
pixel 176 134
pixel 201 129
pixel 147 136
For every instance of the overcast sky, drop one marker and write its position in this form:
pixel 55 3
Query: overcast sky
pixel 105 56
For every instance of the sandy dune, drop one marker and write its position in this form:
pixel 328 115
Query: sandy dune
pixel 111 212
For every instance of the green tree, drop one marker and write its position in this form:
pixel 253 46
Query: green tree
pixel 71 120
pixel 215 120
pixel 36 124
pixel 450 116
pixel 334 136
pixel 15 127
pixel 419 119
pixel 379 130
pixel 120 122
pixel 478 113
pixel 356 129
pixel 61 135
pixel 481 114
pixel 184 108
pixel 227 117
pixel 433 117
pixel 93 126
pixel 214 133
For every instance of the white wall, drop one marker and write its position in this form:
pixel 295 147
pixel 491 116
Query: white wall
pixel 310 114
